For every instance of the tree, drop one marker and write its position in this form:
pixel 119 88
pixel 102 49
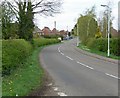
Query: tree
pixel 98 33
pixel 6 21
pixel 87 25
pixel 25 11
pixel 26 25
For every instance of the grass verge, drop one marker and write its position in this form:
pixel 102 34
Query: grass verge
pixel 83 47
pixel 24 79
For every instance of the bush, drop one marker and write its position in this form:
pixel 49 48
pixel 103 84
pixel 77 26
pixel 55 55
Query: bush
pixel 115 46
pixel 14 52
pixel 51 36
pixel 101 44
pixel 43 41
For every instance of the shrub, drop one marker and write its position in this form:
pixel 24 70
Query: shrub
pixel 51 36
pixel 44 41
pixel 14 52
pixel 101 44
pixel 115 46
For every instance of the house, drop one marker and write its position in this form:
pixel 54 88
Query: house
pixel 37 32
pixel 54 31
pixel 63 33
pixel 46 31
pixel 114 32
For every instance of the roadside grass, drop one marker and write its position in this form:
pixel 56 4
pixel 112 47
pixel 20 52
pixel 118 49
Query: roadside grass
pixel 25 78
pixel 83 47
pixel 30 75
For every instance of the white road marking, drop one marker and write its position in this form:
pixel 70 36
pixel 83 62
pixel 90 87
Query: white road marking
pixel 61 94
pixel 50 84
pixel 85 65
pixel 112 76
pixel 62 53
pixel 69 57
pixel 89 67
pixel 59 49
pixel 55 88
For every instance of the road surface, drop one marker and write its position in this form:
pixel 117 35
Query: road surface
pixel 77 74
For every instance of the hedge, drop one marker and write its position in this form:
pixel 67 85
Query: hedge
pixel 101 44
pixel 14 52
pixel 38 42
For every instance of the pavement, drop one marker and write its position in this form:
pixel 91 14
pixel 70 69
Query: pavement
pixel 79 73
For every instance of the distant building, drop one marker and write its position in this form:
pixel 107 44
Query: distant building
pixel 114 32
pixel 54 31
pixel 37 32
pixel 46 31
pixel 63 33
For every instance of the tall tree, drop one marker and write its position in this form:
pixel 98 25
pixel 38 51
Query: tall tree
pixel 26 10
pixel 87 25
pixel 6 21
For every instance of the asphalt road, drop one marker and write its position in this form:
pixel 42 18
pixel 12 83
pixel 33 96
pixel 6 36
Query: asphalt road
pixel 77 74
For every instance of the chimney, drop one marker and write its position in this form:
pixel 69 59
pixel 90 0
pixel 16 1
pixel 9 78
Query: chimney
pixel 55 24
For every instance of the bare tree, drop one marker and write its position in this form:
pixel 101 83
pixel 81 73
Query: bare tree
pixel 26 9
pixel 42 7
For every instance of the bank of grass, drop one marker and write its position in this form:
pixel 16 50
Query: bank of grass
pixel 83 47
pixel 24 79
pixel 29 75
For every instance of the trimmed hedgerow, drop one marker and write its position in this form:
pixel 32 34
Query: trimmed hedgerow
pixel 38 42
pixel 101 44
pixel 14 52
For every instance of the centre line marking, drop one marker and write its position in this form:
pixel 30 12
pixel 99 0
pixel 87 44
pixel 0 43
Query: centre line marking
pixel 89 67
pixel 62 53
pixel 69 57
pixel 85 65
pixel 59 48
pixel 112 76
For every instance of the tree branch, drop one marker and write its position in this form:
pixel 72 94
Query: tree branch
pixel 36 5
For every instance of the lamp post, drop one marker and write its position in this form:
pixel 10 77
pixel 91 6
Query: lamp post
pixel 77 36
pixel 108 12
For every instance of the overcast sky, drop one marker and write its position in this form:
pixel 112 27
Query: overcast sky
pixel 70 11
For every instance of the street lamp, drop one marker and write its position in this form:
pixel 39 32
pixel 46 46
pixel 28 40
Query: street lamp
pixel 108 12
pixel 77 36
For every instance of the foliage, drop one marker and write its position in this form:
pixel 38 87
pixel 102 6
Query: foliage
pixel 98 33
pixel 75 30
pixel 38 42
pixel 87 27
pixel 104 23
pixel 26 10
pixel 14 52
pixel 51 36
pixel 24 79
pixel 8 28
pixel 26 25
pixel 101 45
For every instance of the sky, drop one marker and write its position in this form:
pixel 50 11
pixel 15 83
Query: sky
pixel 71 10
